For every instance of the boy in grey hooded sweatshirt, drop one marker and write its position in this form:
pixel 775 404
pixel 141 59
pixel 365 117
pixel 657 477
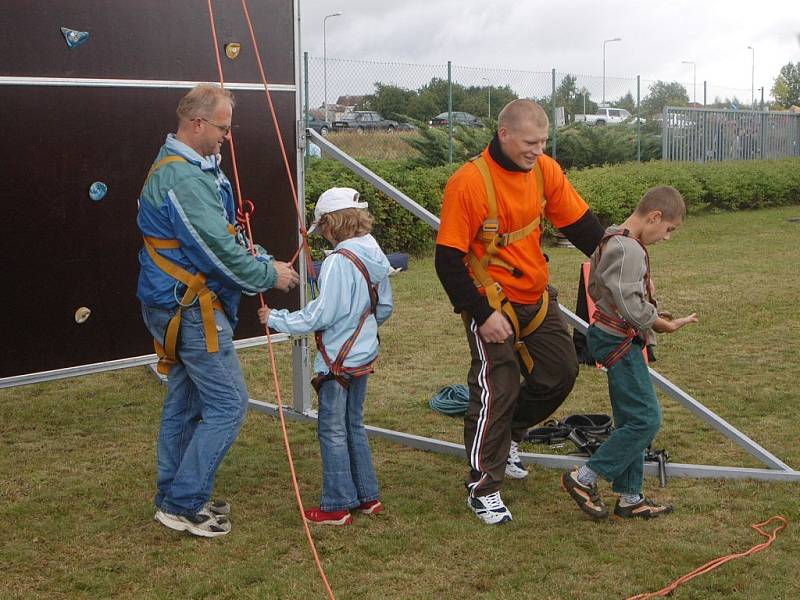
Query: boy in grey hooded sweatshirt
pixel 625 318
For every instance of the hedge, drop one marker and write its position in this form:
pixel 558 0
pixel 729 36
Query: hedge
pixel 611 191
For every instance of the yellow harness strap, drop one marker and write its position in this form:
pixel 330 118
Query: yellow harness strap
pixel 195 290
pixel 494 240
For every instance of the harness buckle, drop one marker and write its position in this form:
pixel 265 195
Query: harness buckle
pixel 491 226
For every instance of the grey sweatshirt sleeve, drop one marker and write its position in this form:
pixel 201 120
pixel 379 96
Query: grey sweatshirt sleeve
pixel 617 283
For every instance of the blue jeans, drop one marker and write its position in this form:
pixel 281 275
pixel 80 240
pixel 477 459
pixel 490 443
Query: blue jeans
pixel 348 477
pixel 637 415
pixel 204 409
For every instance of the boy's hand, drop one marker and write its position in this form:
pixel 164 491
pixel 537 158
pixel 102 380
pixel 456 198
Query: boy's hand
pixel 263 314
pixel 663 325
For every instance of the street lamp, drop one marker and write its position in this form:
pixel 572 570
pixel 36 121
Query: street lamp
pixel 753 78
pixel 584 91
pixel 325 59
pixel 694 78
pixel 604 65
pixel 490 95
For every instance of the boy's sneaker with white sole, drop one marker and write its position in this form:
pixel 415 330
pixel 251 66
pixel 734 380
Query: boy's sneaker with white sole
pixel 203 523
pixel 514 467
pixel 490 508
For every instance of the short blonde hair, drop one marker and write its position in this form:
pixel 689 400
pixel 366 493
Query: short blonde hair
pixel 346 223
pixel 202 100
pixel 517 111
pixel 664 198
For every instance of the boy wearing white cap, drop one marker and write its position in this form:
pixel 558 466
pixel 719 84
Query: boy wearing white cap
pixel 355 298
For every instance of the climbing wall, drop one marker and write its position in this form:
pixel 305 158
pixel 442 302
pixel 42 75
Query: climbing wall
pixel 93 104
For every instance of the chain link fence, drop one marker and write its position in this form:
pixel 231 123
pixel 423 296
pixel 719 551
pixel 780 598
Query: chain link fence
pixel 372 110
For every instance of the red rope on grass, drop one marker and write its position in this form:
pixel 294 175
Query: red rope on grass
pixel 718 562
pixel 246 214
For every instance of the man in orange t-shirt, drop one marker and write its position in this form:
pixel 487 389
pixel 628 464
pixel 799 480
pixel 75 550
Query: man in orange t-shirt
pixel 501 407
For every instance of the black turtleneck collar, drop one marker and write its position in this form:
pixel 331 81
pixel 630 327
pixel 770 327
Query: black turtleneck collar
pixel 498 156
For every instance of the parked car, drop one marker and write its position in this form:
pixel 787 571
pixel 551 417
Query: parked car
pixel 605 115
pixel 319 125
pixel 459 118
pixel 362 121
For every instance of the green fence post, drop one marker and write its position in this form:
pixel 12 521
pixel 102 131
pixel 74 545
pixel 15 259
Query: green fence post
pixel 449 111
pixel 638 120
pixel 305 87
pixel 555 115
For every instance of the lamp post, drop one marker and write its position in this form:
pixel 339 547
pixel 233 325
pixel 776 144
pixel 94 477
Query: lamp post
pixel 604 65
pixel 489 83
pixel 752 78
pixel 325 59
pixel 694 78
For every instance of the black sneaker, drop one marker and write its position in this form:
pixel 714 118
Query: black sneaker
pixel 644 509
pixel 586 496
pixel 202 523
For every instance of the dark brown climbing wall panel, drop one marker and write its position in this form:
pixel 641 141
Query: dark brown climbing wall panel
pixel 60 250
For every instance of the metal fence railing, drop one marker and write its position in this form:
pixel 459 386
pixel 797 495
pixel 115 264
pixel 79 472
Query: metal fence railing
pixel 702 134
pixel 403 93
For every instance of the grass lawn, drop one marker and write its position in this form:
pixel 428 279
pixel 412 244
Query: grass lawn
pixel 77 462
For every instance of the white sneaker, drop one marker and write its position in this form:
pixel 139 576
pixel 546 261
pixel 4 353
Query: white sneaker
pixel 490 509
pixel 202 523
pixel 514 467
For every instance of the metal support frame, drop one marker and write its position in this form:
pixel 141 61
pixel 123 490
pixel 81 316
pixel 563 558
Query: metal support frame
pixel 777 471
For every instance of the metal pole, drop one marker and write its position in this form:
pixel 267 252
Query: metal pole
pixel 325 59
pixel 752 77
pixel 705 92
pixel 638 120
pixel 449 111
pixel 603 103
pixel 305 104
pixel 555 136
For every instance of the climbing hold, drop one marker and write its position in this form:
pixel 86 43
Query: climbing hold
pixel 97 191
pixel 74 37
pixel 232 50
pixel 82 314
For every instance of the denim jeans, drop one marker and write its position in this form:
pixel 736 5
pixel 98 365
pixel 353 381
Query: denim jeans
pixel 637 415
pixel 348 477
pixel 204 409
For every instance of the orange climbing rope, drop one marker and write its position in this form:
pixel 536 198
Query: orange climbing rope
pixel 718 562
pixel 246 215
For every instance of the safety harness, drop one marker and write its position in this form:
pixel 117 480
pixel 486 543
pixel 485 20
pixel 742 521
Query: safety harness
pixel 614 322
pixel 196 291
pixel 493 240
pixel 336 368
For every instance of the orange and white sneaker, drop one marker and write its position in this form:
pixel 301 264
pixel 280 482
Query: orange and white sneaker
pixel 324 517
pixel 644 509
pixel 586 496
pixel 373 507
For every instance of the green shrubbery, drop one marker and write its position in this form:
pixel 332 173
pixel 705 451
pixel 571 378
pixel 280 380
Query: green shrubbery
pixel 611 191
pixel 396 228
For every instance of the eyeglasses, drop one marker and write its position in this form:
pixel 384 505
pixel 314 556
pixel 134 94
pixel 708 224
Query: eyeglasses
pixel 224 128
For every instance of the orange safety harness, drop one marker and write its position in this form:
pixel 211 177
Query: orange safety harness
pixel 337 370
pixel 614 322
pixel 493 240
pixel 196 291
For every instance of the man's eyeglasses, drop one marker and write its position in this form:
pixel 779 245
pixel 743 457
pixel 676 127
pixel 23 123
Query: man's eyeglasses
pixel 224 128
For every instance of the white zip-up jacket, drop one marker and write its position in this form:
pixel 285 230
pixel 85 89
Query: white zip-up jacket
pixel 343 298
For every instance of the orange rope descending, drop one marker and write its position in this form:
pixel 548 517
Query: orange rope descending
pixel 717 562
pixel 276 382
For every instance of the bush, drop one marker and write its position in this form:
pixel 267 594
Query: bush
pixel 611 191
pixel 396 229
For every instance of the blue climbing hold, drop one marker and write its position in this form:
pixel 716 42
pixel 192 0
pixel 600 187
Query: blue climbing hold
pixel 97 191
pixel 74 38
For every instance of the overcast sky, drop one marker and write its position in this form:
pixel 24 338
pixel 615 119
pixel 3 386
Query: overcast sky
pixel 568 36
